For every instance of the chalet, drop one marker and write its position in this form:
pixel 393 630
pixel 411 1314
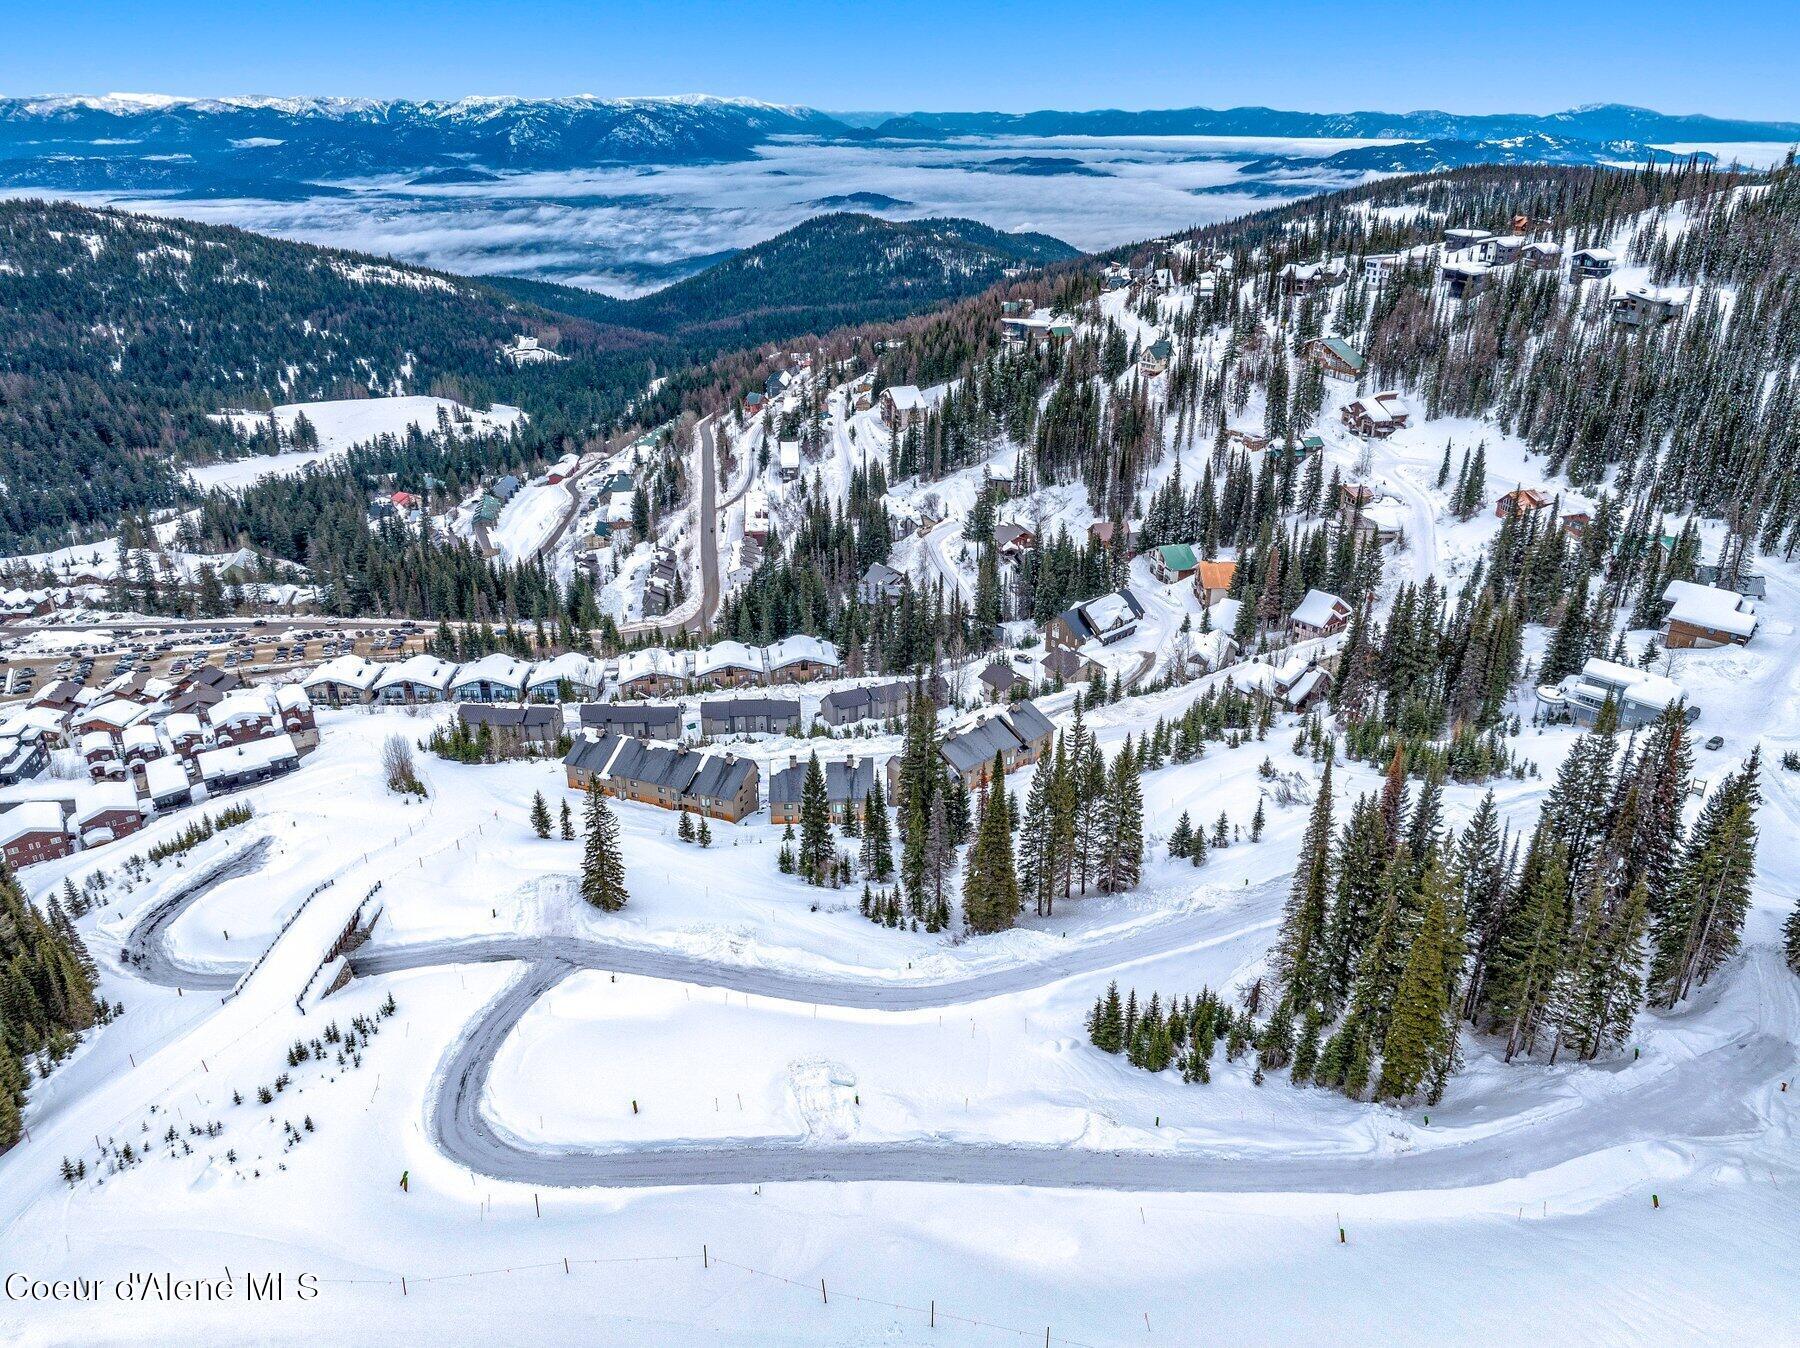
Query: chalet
pixel 870 702
pixel 34 831
pixel 640 720
pixel 1014 539
pixel 1212 581
pixel 570 677
pixel 1462 240
pixel 105 812
pixel 239 765
pixel 1174 561
pixel 1502 250
pixel 343 681
pixel 23 757
pixel 1648 306
pixel 529 727
pixel 100 754
pixel 244 714
pixel 1319 614
pixel 1377 267
pixel 1302 684
pixel 186 734
pixel 1544 255
pixel 847 787
pixel 1110 618
pixel 902 405
pixel 1067 665
pixel 661 585
pixel 750 716
pixel 1592 264
pixel 141 743
pixel 756 514
pixel 493 678
pixel 1020 735
pixel 880 585
pixel 1704 616
pixel 787 459
pixel 1310 278
pixel 1000 681
pixel 1520 503
pixel 1638 696
pixel 1576 522
pixel 1155 357
pixel 416 679
pixel 61 697
pixel 1251 442
pixel 729 664
pixel 1335 357
pixel 507 487
pixel 754 403
pixel 526 351
pixel 1104 532
pixel 1378 416
pixel 568 466
pixel 1463 278
pixel 202 689
pixel 652 673
pixel 801 659
pixel 720 786
pixel 111 717
pixel 166 785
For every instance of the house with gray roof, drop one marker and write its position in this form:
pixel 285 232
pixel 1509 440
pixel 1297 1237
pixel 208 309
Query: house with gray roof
pixel 1019 735
pixel 848 783
pixel 880 584
pixel 530 727
pixel 720 786
pixel 877 702
pixel 750 716
pixel 642 720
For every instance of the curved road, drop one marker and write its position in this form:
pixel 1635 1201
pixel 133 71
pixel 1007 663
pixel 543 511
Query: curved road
pixel 1705 1096
pixel 147 945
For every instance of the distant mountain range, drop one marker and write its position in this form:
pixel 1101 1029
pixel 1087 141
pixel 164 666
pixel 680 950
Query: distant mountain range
pixel 278 148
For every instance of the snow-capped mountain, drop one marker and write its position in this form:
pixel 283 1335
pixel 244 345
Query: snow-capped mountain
pixel 247 137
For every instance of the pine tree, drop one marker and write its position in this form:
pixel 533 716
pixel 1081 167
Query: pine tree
pixel 990 884
pixel 1181 838
pixel 703 834
pixel 1300 954
pixel 1421 1027
pixel 540 815
pixel 602 864
pixel 1123 855
pixel 685 828
pixel 817 850
pixel 1703 921
pixel 877 851
pixel 568 822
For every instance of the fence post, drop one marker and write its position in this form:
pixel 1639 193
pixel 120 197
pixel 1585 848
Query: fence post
pixel 822 1296
pixel 705 1262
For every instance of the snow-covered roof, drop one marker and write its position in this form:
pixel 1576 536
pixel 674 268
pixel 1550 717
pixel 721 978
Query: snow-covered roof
pixel 793 650
pixel 116 712
pixel 1600 679
pixel 423 669
pixel 570 665
pixel 34 816
pixel 906 397
pixel 242 704
pixel 183 724
pixel 139 736
pixel 93 801
pixel 1109 611
pixel 96 742
pixel 498 668
pixel 251 754
pixel 165 777
pixel 350 670
pixel 728 655
pixel 1710 607
pixel 1319 609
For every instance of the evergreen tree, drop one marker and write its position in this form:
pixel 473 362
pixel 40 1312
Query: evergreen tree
pixel 540 815
pixel 602 863
pixel 568 822
pixel 1703 921
pixel 1422 1026
pixel 990 884
pixel 684 829
pixel 817 850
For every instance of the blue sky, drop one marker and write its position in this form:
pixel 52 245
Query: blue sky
pixel 1727 58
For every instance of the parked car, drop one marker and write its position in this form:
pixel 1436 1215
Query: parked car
pixel 1716 742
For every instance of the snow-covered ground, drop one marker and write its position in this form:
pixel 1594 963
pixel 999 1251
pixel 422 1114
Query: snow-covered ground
pixel 341 424
pixel 699 1100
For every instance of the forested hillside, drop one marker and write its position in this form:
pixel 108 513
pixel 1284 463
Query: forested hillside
pixel 120 334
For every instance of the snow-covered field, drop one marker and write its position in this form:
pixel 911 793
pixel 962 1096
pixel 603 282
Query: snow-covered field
pixel 341 424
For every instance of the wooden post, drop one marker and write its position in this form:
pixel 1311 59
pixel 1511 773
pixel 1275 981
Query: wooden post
pixel 565 1263
pixel 402 1284
pixel 536 1204
pixel 934 1312
pixel 822 1296
pixel 705 1262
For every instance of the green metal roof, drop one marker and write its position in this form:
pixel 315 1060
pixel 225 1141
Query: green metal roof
pixel 1346 353
pixel 1178 556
